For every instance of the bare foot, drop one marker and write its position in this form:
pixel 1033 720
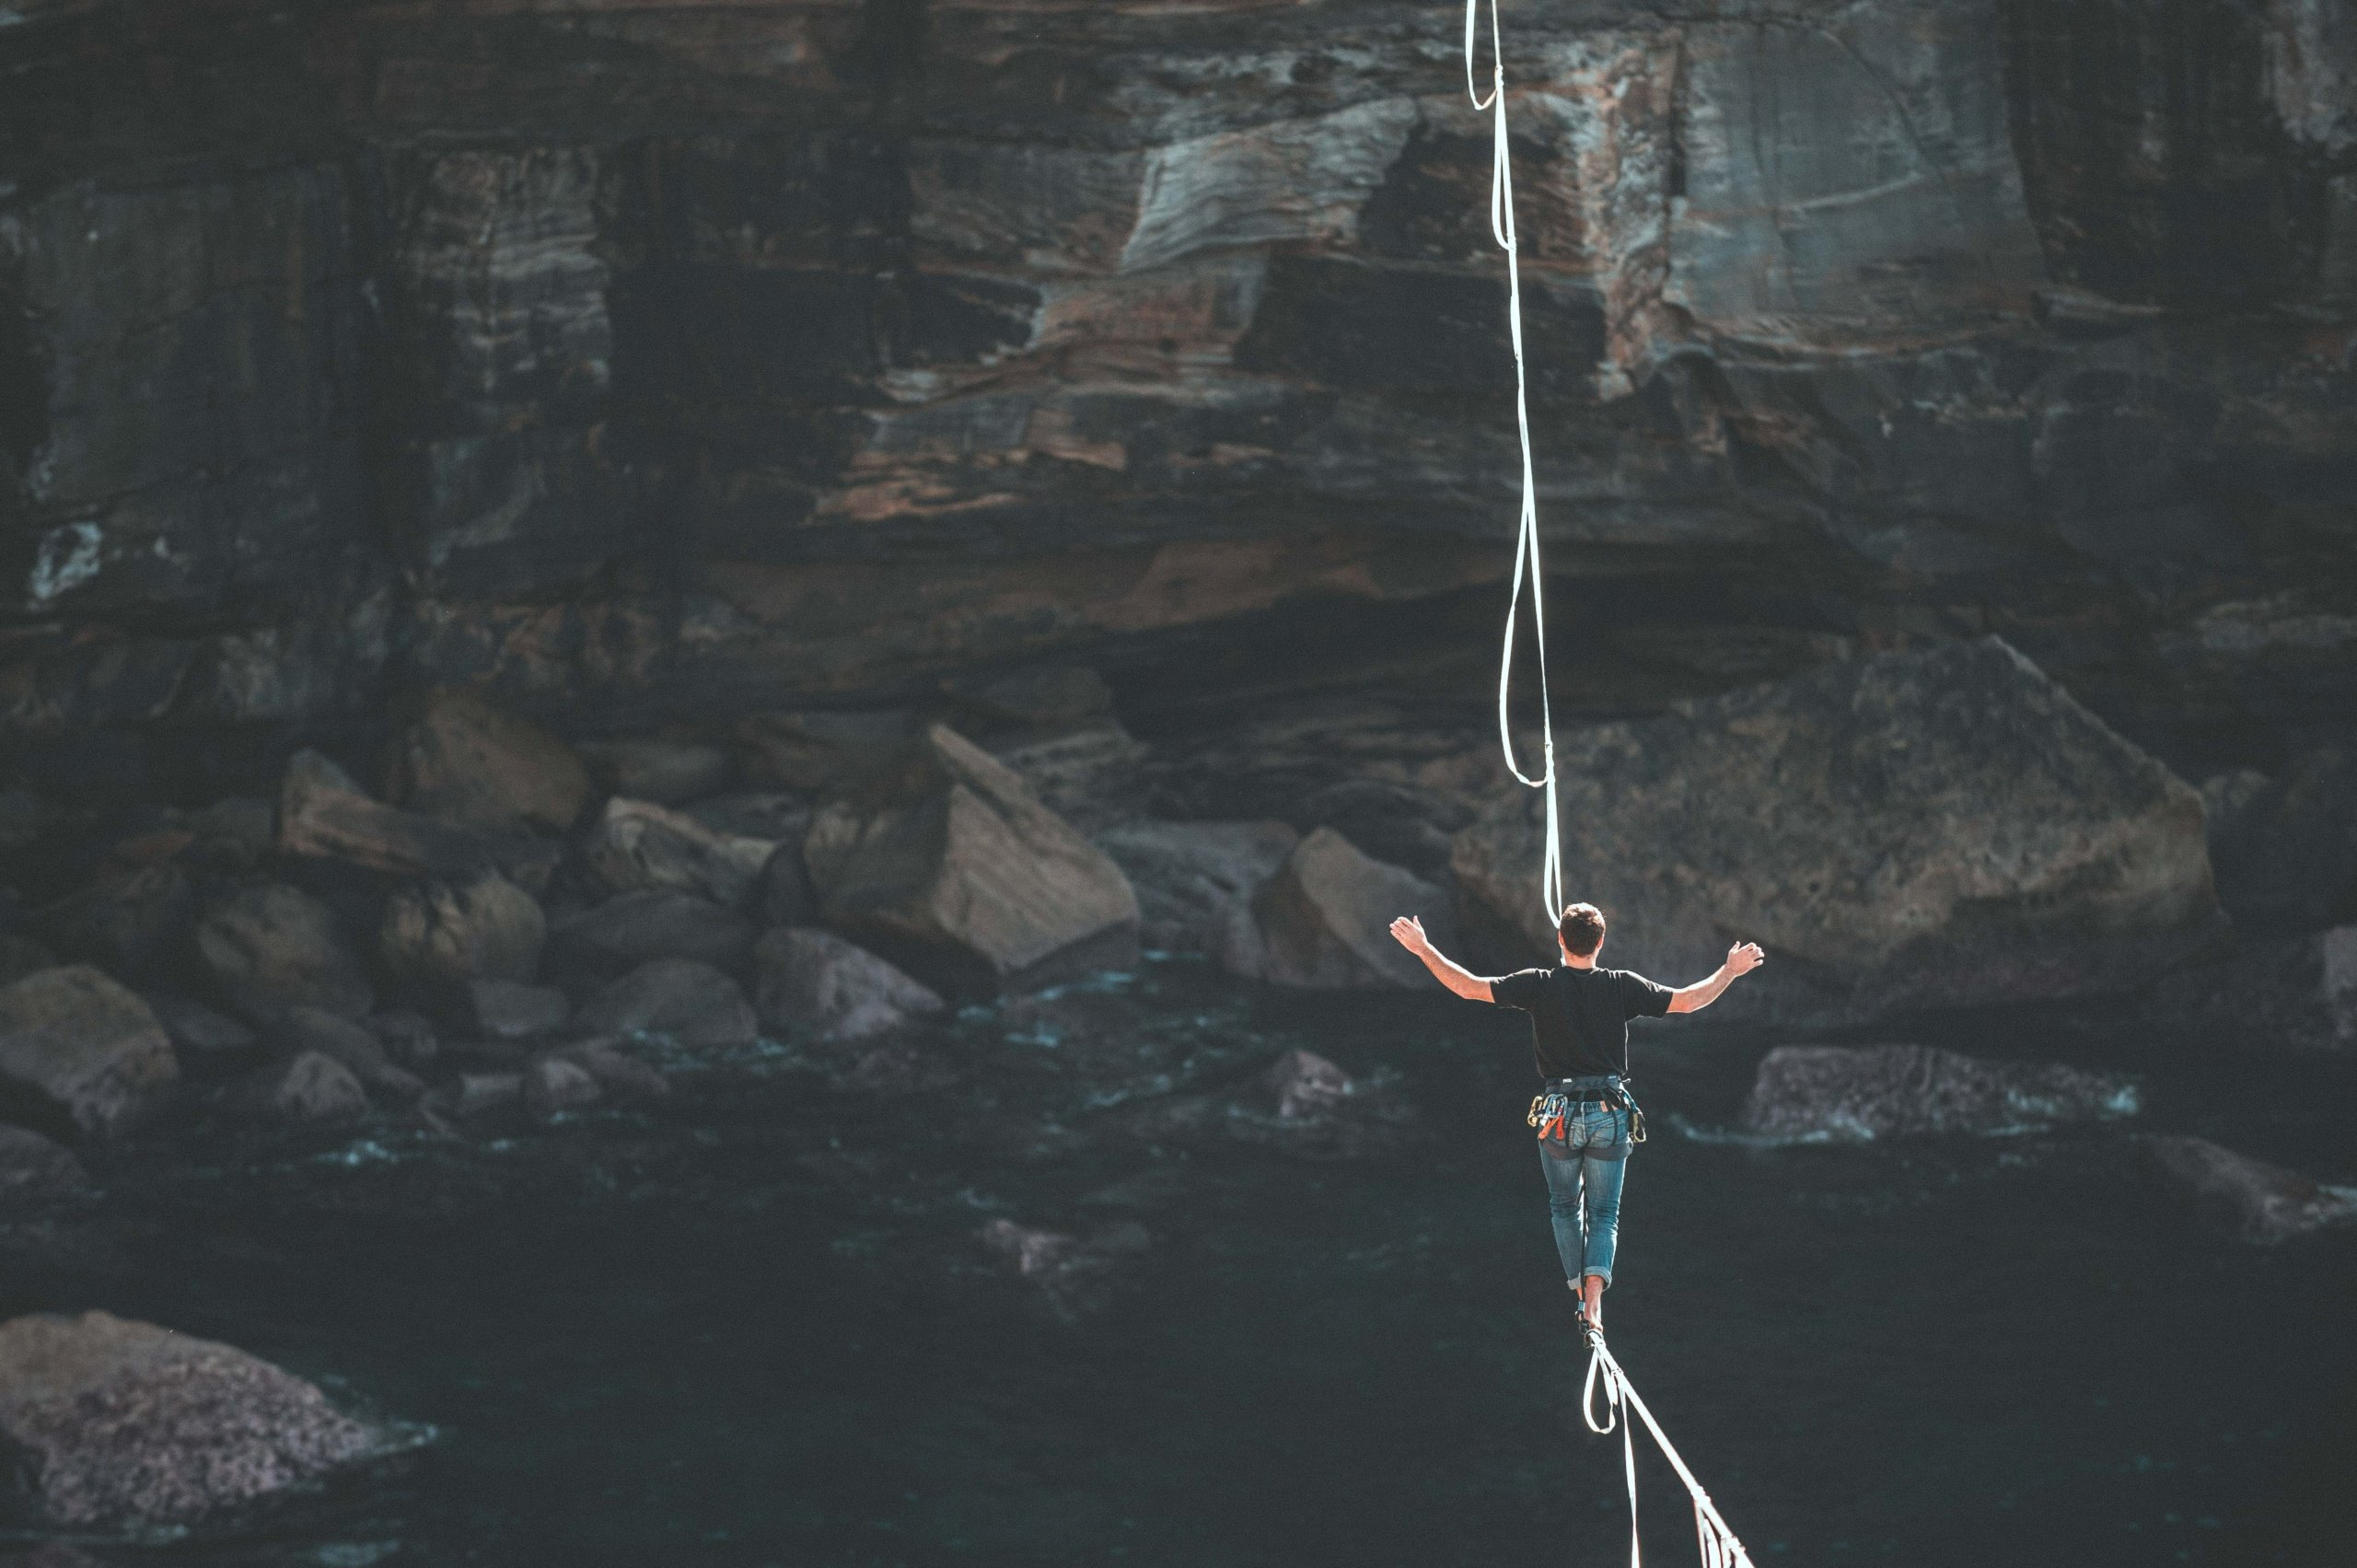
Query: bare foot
pixel 1592 1300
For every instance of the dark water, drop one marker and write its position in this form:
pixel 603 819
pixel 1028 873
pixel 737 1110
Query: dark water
pixel 751 1326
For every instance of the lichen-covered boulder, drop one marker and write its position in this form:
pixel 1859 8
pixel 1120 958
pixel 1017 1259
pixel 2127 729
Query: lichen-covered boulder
pixel 1846 1093
pixel 945 863
pixel 2249 1200
pixel 816 983
pixel 1930 828
pixel 1325 917
pixel 269 946
pixel 468 762
pixel 638 844
pixel 117 1424
pixel 437 936
pixel 80 1052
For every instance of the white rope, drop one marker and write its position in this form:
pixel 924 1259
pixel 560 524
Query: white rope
pixel 1717 1539
pixel 1526 549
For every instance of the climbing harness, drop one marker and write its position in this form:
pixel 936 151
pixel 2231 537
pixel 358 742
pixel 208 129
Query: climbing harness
pixel 1525 547
pixel 1552 1110
pixel 1720 1547
pixel 1548 1111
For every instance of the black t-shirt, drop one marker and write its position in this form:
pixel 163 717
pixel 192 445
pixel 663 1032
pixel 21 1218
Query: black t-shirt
pixel 1579 1018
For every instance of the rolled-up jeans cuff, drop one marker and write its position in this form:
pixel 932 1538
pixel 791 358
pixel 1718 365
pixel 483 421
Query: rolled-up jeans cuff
pixel 1604 1275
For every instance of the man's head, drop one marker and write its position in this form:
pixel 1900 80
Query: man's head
pixel 1581 931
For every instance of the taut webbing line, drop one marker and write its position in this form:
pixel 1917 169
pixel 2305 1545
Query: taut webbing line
pixel 1525 547
pixel 1720 1547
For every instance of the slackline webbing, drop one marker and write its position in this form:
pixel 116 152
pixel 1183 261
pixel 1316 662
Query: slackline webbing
pixel 1720 1548
pixel 1719 1545
pixel 1526 547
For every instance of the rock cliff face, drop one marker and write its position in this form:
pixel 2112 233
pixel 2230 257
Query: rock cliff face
pixel 631 359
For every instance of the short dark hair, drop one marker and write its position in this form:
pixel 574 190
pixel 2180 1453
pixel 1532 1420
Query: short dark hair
pixel 1582 929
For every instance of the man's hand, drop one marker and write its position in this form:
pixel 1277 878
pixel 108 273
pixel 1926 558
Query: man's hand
pixel 1409 932
pixel 1743 957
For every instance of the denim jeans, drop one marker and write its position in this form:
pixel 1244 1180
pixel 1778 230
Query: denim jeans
pixel 1584 1190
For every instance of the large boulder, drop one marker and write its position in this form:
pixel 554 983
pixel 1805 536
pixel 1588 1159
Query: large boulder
pixel 2285 847
pixel 1920 830
pixel 198 1033
pixel 438 938
pixel 504 1009
pixel 121 1425
pixel 638 844
pixel 80 1053
pixel 322 814
pixel 1325 917
pixel 269 946
pixel 692 1003
pixel 654 922
pixel 669 773
pixel 1196 881
pixel 2247 1199
pixel 36 1171
pixel 815 982
pixel 308 1086
pixel 311 1031
pixel 945 862
pixel 1854 1093
pixel 467 761
pixel 123 923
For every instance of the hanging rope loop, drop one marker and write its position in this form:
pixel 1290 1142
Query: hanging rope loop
pixel 1717 1540
pixel 1526 549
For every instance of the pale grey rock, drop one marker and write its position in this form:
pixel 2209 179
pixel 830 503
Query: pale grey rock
pixel 554 1083
pixel 946 865
pixel 35 1172
pixel 1304 1084
pixel 1076 1276
pixel 1934 829
pixel 633 928
pixel 271 947
pixel 1325 918
pixel 2247 1199
pixel 690 1002
pixel 124 1426
pixel 479 1094
pixel 617 1071
pixel 814 982
pixel 438 938
pixel 1196 881
pixel 638 845
pixel 83 1053
pixel 1892 1091
pixel 780 815
pixel 308 1086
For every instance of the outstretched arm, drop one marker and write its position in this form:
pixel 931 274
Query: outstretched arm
pixel 1410 933
pixel 1742 958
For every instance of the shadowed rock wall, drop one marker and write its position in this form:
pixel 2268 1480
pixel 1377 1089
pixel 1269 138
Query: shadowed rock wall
pixel 640 360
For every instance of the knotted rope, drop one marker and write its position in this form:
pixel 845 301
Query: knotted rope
pixel 1720 1547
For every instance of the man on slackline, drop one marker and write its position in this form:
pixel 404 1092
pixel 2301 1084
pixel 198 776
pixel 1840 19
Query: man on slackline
pixel 1579 1032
